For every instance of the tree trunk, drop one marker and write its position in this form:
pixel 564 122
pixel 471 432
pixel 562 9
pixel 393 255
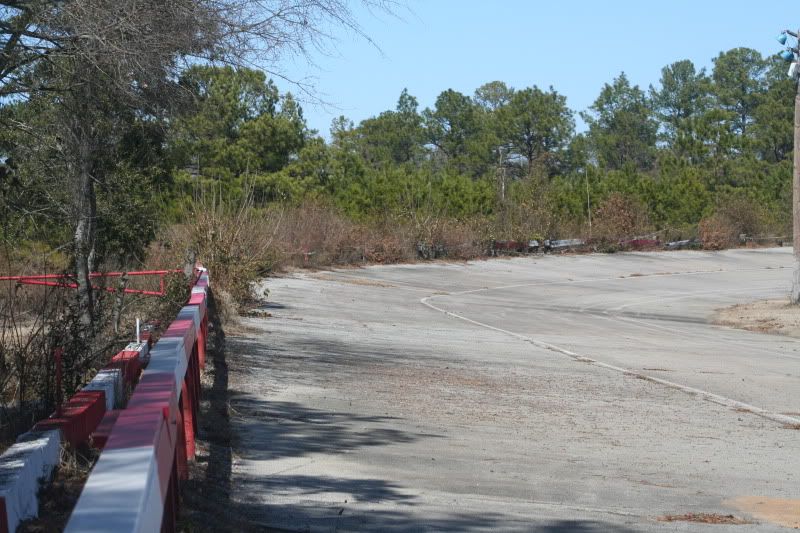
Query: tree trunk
pixel 119 300
pixel 530 155
pixel 189 265
pixel 85 227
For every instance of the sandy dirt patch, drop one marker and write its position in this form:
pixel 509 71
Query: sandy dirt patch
pixel 784 512
pixel 766 316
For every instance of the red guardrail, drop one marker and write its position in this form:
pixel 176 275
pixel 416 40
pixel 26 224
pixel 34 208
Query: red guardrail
pixel 134 485
pixel 67 281
pixel 91 417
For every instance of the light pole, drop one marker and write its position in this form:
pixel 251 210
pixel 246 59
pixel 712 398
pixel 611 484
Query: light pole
pixel 588 201
pixel 792 54
pixel 502 172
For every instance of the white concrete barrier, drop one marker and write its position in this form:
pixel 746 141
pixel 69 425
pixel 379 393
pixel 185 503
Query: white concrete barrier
pixel 23 468
pixel 109 380
pixel 124 492
pixel 133 486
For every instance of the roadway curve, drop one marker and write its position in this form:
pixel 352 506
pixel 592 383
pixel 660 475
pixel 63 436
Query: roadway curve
pixel 558 393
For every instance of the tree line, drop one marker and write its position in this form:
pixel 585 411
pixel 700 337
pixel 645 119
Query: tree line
pixel 691 146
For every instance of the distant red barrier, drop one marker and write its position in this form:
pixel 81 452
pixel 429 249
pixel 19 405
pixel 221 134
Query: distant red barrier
pixel 68 281
pixel 129 363
pixel 80 415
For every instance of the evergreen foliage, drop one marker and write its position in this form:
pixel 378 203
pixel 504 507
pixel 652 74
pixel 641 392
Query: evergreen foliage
pixel 683 150
pixel 690 147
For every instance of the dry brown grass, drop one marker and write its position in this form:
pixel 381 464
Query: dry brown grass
pixel 735 216
pixel 26 343
pixel 717 232
pixel 317 235
pixel 620 217
pixel 240 243
pixel 705 518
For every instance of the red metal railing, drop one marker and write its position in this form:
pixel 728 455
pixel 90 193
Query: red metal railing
pixel 68 281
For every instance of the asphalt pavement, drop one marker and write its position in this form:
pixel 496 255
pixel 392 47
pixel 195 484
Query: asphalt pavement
pixel 556 393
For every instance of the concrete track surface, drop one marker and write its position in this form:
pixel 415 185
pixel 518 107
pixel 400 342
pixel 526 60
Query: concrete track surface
pixel 548 394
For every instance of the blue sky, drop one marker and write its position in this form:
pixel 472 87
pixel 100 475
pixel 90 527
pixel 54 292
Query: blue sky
pixel 575 46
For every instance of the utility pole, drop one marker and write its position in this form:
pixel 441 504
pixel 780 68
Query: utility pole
pixel 796 198
pixel 588 201
pixel 501 168
pixel 792 55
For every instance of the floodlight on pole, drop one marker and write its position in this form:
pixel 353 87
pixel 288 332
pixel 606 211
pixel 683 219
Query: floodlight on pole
pixel 790 54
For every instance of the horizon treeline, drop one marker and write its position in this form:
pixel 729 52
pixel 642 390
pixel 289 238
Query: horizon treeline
pixel 696 149
pixel 692 145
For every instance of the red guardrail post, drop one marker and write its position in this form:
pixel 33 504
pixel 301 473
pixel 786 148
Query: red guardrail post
pixel 58 354
pixel 182 441
pixel 201 341
pixel 187 427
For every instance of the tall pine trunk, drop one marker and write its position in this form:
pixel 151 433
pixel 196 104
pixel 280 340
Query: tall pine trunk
pixel 85 219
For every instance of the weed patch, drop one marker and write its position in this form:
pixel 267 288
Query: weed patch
pixel 705 518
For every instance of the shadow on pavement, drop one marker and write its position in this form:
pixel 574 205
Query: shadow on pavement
pixel 272 430
pixel 269 430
